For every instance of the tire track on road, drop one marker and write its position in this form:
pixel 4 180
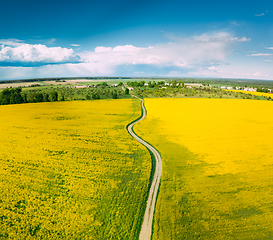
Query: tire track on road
pixel 146 228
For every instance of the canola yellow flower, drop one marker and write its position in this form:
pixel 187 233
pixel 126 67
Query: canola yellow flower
pixel 253 93
pixel 70 170
pixel 217 167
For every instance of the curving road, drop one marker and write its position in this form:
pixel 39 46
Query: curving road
pixel 146 228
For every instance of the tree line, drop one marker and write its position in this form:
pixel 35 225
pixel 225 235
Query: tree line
pixel 262 89
pixel 154 84
pixel 49 94
pixel 16 96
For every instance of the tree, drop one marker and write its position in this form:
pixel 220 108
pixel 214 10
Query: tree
pixel 19 98
pixel 24 98
pixel 38 97
pixel 114 95
pixel 54 96
pixel 46 97
pixel 174 82
pixel 95 96
pixel 103 85
pixel 182 84
pixel 126 91
pixel 12 98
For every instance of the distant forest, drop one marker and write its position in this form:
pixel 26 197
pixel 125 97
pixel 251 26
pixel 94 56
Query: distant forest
pixel 61 93
pixel 221 81
pixel 57 79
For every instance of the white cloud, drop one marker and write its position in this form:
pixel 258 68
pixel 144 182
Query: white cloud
pixel 11 42
pixel 207 49
pixel 257 74
pixel 269 48
pixel 235 70
pixel 51 41
pixel 244 39
pixel 184 52
pixel 209 37
pixel 15 72
pixel 209 71
pixel 212 68
pixel 103 49
pixel 260 55
pixel 259 15
pixel 19 52
pixel 235 23
pixel 75 45
pixel 219 37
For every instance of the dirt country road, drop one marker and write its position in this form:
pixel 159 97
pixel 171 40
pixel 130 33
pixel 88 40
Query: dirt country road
pixel 146 228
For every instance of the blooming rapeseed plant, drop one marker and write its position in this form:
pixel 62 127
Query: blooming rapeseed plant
pixel 70 170
pixel 217 167
pixel 262 94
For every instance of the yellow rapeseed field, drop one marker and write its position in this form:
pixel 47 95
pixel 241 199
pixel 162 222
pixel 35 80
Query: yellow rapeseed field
pixel 70 170
pixel 217 167
pixel 262 94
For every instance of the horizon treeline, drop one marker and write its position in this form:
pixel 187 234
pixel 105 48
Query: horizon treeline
pixel 16 96
pixel 52 94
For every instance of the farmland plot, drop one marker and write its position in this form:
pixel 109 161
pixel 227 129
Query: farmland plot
pixel 70 170
pixel 262 94
pixel 217 167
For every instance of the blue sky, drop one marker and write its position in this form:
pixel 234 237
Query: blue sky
pixel 231 39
